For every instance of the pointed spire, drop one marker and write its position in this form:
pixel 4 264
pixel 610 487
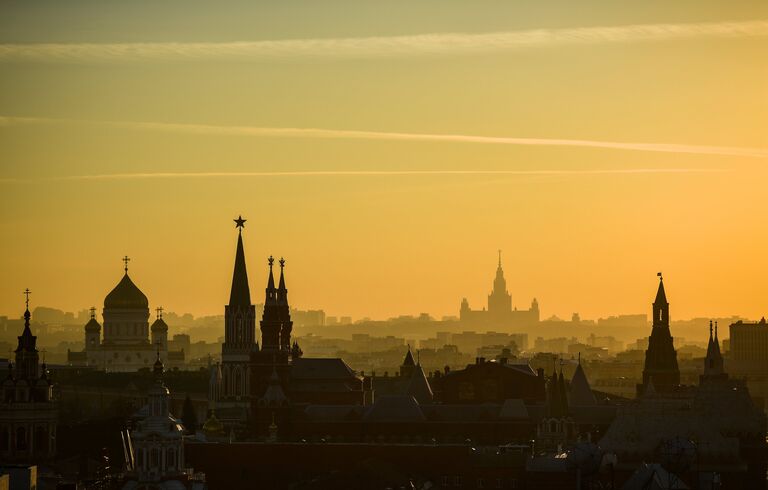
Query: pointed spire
pixel 499 258
pixel 271 297
pixel 26 339
pixel 282 292
pixel 408 361
pixel 661 295
pixel 240 294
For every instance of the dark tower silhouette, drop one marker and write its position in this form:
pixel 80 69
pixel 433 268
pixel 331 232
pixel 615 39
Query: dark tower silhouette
pixel 270 321
pixel 713 363
pixel 239 328
pixel 661 357
pixel 286 325
pixel 27 357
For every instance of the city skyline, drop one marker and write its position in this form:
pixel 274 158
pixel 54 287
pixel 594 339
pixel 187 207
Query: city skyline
pixel 388 159
pixel 240 225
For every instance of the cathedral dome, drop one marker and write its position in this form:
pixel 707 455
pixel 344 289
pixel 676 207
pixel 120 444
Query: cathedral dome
pixel 126 296
pixel 159 325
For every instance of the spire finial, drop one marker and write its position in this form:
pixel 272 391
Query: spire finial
pixel 27 292
pixel 93 312
pixel 499 258
pixel 126 259
pixel 282 262
pixel 159 311
pixel 579 358
pixel 715 328
pixel 661 278
pixel 240 223
pixel 270 261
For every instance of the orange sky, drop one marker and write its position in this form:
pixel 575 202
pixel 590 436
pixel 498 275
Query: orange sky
pixel 387 155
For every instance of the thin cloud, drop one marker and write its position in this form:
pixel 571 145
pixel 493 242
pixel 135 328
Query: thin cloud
pixel 258 131
pixel 375 173
pixel 376 47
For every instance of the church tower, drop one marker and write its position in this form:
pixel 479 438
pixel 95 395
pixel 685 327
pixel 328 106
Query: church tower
pixel 499 301
pixel 661 357
pixel 239 334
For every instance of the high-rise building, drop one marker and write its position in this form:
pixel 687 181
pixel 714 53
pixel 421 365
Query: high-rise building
pixel 500 312
pixel 660 358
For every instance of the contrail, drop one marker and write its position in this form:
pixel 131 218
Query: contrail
pixel 376 47
pixel 397 136
pixel 374 173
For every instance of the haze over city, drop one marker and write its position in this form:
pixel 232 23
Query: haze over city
pixel 387 155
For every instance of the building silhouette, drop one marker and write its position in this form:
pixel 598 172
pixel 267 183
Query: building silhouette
pixel 29 408
pixel 661 369
pixel 244 387
pixel 126 343
pixel 499 311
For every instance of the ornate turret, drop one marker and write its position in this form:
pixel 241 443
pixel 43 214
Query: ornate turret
pixel 159 331
pixel 27 357
pixel 286 325
pixel 661 357
pixel 271 320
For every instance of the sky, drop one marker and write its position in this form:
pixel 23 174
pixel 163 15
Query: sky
pixel 387 150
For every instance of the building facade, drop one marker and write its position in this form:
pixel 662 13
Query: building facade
pixel 126 343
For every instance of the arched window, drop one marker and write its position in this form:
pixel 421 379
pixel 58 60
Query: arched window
pixel 41 440
pixel 5 439
pixel 154 458
pixel 170 458
pixel 21 439
pixel 237 391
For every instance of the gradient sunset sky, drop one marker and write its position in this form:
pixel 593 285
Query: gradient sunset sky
pixel 387 150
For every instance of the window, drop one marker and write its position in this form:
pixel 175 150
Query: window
pixel 457 481
pixel 498 482
pixel 41 440
pixel 445 480
pixel 21 439
pixel 480 483
pixel 513 482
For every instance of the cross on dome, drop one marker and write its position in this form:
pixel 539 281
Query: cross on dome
pixel 126 259
pixel 27 292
